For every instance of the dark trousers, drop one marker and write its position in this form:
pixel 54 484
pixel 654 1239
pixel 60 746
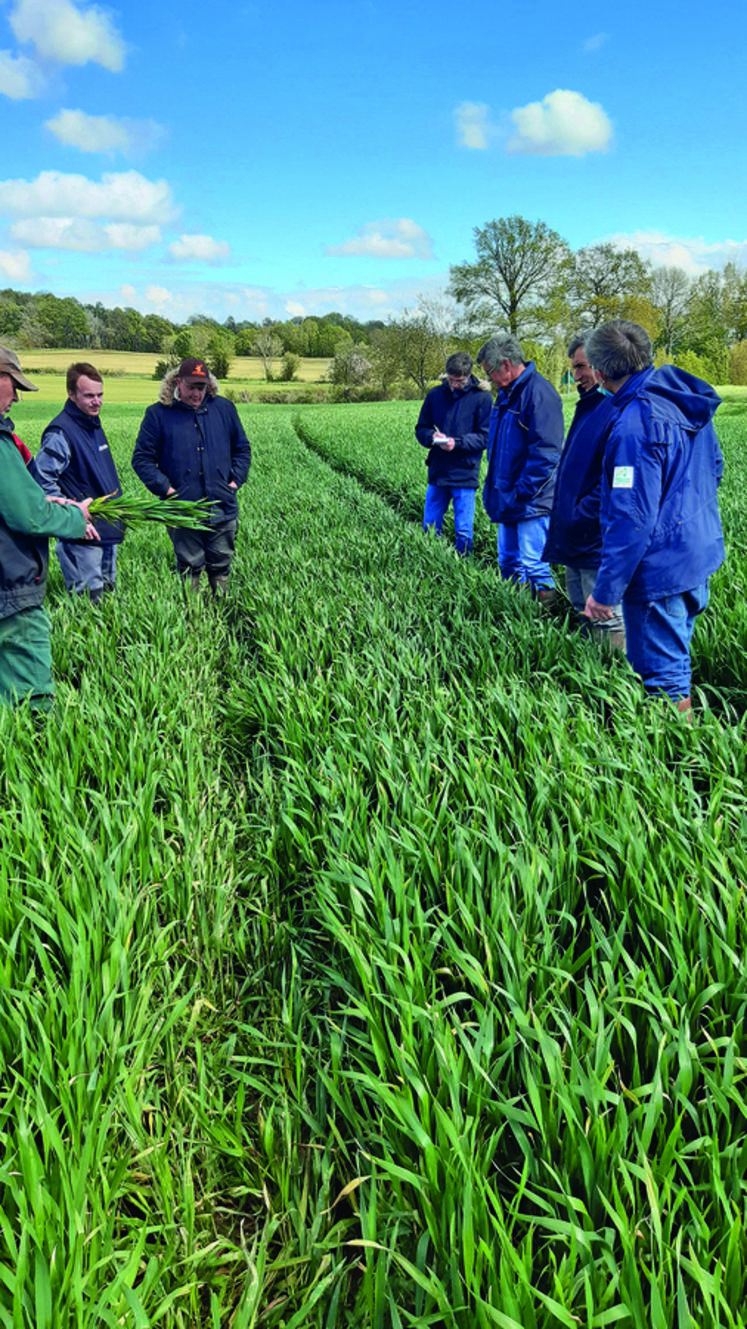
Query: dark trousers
pixel 209 550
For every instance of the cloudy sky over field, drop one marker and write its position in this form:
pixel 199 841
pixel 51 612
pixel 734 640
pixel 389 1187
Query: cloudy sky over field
pixel 250 160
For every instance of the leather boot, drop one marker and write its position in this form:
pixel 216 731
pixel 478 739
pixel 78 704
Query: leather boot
pixel 684 706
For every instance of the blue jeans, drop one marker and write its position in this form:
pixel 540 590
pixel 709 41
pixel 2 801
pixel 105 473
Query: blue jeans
pixel 520 550
pixel 579 584
pixel 437 499
pixel 89 567
pixel 658 634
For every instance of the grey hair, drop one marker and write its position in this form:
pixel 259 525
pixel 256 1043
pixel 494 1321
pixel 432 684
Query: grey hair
pixel 619 348
pixel 459 363
pixel 504 346
pixel 579 342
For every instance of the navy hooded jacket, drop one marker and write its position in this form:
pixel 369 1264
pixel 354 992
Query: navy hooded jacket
pixel 464 415
pixel 575 535
pixel 524 447
pixel 662 468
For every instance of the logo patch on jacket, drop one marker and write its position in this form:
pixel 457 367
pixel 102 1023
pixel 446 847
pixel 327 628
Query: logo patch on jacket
pixel 622 477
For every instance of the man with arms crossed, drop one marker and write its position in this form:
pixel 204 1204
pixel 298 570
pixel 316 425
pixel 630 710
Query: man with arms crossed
pixel 74 459
pixel 661 530
pixel 524 447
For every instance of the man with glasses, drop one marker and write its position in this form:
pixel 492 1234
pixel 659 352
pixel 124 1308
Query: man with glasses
pixel 453 426
pixel 192 445
pixel 74 461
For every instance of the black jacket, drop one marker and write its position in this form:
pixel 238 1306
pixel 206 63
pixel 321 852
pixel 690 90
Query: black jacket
pixel 463 415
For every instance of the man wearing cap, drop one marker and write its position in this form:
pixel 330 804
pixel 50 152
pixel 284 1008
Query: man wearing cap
pixel 27 519
pixel 192 445
pixel 74 459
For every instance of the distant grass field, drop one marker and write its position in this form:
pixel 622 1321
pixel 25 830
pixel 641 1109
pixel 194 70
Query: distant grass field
pixel 47 368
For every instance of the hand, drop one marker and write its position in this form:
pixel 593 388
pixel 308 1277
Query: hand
pixel 170 491
pixel 59 498
pixel 91 532
pixel 443 441
pixel 597 611
pixel 232 484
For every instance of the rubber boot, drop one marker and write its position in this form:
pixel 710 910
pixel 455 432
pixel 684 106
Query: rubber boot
pixel 547 597
pixel 218 585
pixel 96 596
pixel 191 582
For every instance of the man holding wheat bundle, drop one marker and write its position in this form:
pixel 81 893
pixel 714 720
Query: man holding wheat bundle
pixel 27 519
pixel 192 445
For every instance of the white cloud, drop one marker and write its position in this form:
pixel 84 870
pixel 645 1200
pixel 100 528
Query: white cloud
pixel 595 42
pixel 126 196
pixel 295 310
pixel 104 133
pixel 401 238
pixel 82 236
pixel 200 248
pixel 15 265
pixel 473 126
pixel 124 235
pixel 20 79
pixel 694 254
pixel 159 296
pixel 67 34
pixel 128 293
pixel 563 124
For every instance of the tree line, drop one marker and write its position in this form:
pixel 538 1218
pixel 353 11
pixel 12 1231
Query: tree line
pixel 524 277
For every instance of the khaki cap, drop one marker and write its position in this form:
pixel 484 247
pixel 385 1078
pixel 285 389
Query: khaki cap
pixel 10 364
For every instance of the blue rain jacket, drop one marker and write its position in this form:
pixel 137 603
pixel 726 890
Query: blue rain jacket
pixel 662 468
pixel 524 447
pixel 575 534
pixel 463 415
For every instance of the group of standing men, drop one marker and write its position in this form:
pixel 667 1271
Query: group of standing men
pixel 191 445
pixel 629 504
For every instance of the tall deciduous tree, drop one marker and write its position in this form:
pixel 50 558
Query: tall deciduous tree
pixel 669 294
pixel 268 346
pixel 411 348
pixel 609 283
pixel 520 277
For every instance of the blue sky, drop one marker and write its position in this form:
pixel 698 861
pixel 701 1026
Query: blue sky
pixel 259 160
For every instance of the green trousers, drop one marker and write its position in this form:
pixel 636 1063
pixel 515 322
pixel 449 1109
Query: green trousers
pixel 26 659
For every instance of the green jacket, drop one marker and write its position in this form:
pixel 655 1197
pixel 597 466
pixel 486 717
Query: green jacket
pixel 26 522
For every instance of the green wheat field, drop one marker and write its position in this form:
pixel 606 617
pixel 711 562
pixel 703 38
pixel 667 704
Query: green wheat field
pixel 372 955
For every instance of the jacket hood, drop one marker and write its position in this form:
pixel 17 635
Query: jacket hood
pixel 695 399
pixel 473 382
pixel 168 387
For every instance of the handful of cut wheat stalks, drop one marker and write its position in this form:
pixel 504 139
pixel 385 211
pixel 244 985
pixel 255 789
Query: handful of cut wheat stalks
pixel 131 511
